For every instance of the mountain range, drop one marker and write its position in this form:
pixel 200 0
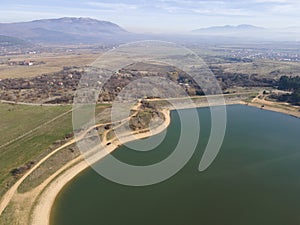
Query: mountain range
pixel 65 30
pixel 71 30
pixel 251 32
pixel 230 28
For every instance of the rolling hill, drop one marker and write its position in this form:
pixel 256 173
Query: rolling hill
pixel 12 41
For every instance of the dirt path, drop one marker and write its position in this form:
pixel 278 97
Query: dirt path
pixel 260 102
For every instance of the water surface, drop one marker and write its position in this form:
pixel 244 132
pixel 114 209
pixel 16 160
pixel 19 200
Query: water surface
pixel 255 180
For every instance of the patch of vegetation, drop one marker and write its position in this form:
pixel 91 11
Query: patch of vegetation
pixel 290 84
pixel 110 135
pixel 296 96
pixel 7 216
pixel 250 97
pixel 142 119
pixel 49 167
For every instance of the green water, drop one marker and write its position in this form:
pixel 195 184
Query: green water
pixel 255 180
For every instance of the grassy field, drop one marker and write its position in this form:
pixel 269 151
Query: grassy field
pixel 53 63
pixel 17 120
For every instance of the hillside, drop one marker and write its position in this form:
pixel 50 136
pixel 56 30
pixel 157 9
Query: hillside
pixel 12 45
pixel 12 41
pixel 65 30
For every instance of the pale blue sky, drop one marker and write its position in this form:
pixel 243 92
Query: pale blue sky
pixel 160 15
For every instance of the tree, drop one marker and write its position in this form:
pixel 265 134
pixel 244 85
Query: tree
pixel 289 83
pixel 296 96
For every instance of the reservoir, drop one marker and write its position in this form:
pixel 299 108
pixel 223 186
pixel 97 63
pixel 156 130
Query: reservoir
pixel 255 179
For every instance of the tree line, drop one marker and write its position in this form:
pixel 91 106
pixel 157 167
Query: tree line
pixel 291 84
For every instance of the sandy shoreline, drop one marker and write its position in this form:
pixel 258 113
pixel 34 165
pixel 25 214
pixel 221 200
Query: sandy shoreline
pixel 294 113
pixel 42 209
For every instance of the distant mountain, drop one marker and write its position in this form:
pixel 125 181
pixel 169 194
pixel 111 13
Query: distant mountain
pixel 243 31
pixel 289 29
pixel 229 28
pixel 65 30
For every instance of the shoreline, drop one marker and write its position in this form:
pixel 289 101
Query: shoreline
pixel 42 209
pixel 289 112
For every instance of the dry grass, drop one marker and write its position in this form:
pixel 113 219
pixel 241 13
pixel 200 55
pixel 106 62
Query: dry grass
pixel 53 63
pixel 264 68
pixel 49 167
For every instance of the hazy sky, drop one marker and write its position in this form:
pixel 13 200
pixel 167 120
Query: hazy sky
pixel 160 15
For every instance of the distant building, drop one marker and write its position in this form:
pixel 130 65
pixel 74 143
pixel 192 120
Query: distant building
pixel 28 63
